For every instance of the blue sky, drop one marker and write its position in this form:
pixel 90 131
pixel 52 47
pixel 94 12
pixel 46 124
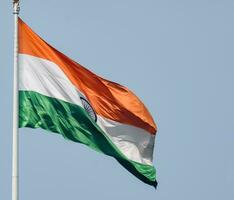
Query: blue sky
pixel 177 56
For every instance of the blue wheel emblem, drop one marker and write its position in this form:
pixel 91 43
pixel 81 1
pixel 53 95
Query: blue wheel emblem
pixel 88 108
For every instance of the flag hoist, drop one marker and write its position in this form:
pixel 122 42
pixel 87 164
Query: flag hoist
pixel 15 142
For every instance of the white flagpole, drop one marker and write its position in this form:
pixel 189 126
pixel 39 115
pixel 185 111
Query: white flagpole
pixel 15 143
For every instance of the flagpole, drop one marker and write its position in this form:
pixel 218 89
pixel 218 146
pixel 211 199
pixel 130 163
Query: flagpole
pixel 15 139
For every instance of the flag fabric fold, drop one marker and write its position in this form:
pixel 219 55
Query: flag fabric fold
pixel 59 95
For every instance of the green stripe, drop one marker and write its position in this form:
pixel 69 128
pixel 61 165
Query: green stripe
pixel 73 123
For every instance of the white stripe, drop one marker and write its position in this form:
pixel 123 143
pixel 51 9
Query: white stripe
pixel 45 77
pixel 135 143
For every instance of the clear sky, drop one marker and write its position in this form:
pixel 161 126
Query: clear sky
pixel 177 56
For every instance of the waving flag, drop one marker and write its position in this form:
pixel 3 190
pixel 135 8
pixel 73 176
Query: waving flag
pixel 59 95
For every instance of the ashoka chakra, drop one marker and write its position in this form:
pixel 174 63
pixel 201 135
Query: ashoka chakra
pixel 88 108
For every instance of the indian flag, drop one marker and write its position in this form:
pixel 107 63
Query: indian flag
pixel 59 95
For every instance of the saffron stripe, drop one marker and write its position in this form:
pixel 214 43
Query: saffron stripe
pixel 110 100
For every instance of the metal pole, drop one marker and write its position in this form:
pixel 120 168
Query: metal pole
pixel 15 143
